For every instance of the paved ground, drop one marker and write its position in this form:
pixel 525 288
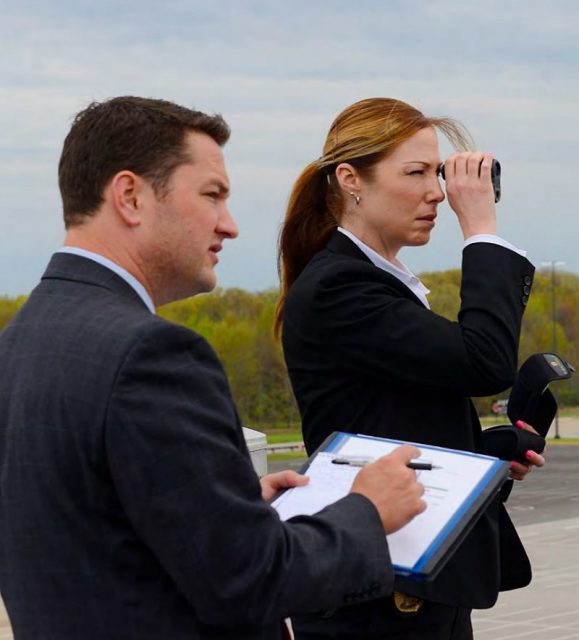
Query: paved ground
pixel 545 509
pixel 547 609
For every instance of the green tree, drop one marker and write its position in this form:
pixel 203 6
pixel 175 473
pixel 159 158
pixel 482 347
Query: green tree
pixel 238 324
pixel 9 307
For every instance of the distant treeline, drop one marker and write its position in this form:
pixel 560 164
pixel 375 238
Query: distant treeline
pixel 239 323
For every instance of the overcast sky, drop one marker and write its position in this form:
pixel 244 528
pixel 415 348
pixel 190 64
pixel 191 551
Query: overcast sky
pixel 279 72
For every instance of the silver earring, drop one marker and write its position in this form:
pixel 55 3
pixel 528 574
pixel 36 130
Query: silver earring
pixel 356 197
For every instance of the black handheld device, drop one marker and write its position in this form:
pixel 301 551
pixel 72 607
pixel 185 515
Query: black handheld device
pixel 532 402
pixel 495 177
pixel 531 399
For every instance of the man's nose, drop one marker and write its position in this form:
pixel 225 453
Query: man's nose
pixel 227 225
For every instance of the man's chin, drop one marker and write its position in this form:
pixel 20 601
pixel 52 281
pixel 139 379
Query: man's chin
pixel 200 285
pixel 206 284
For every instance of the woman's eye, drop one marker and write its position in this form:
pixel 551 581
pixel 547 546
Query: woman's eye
pixel 417 172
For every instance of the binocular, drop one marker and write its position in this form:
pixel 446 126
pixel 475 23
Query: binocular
pixel 495 177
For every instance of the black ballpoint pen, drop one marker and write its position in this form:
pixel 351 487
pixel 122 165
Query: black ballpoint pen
pixel 360 462
pixel 422 466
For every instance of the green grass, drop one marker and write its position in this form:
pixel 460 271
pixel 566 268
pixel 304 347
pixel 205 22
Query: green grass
pixel 280 436
pixel 560 441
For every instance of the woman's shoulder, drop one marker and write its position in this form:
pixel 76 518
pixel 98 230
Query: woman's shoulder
pixel 328 267
pixel 334 276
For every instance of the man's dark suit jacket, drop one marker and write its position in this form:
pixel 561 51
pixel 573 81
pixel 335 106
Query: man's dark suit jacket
pixel 129 508
pixel 365 356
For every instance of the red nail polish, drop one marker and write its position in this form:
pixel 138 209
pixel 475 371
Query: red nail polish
pixel 520 424
pixel 529 454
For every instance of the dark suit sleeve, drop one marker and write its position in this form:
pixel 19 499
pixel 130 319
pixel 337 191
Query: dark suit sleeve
pixel 370 326
pixel 183 475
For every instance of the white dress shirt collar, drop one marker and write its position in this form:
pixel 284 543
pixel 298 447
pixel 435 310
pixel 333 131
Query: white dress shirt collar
pixel 113 266
pixel 402 273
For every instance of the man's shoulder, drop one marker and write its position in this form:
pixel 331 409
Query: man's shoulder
pixel 98 319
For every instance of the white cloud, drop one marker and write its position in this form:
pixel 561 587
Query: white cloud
pixel 280 73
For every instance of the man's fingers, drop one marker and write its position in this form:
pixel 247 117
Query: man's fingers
pixel 274 482
pixel 405 453
pixel 288 478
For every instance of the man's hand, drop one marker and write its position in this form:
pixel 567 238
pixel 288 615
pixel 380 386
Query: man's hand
pixel 392 487
pixel 520 470
pixel 274 482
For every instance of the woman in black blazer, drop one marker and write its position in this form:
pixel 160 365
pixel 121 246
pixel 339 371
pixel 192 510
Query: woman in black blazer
pixel 365 354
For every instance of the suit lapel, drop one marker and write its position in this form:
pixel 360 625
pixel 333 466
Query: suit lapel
pixel 340 244
pixel 66 266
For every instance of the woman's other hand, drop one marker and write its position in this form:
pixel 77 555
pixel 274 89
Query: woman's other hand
pixel 520 470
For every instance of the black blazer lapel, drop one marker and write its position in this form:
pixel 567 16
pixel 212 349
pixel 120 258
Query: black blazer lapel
pixel 340 244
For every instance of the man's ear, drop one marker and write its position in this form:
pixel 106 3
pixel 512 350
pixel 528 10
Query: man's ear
pixel 348 178
pixel 130 195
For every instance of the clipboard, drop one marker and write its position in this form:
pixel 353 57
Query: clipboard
pixel 457 491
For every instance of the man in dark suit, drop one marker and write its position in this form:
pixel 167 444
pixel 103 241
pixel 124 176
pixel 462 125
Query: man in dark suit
pixel 128 504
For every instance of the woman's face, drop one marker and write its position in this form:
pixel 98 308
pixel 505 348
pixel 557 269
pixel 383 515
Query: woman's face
pixel 398 203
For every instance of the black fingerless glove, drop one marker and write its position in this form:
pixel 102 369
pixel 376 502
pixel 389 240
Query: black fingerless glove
pixel 511 443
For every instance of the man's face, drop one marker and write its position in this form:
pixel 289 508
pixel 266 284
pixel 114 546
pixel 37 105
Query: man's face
pixel 189 224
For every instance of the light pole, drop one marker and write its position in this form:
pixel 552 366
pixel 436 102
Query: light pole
pixel 553 264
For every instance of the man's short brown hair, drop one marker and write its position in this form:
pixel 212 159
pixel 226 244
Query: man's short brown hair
pixel 142 135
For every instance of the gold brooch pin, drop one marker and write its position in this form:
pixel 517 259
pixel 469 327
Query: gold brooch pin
pixel 406 603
